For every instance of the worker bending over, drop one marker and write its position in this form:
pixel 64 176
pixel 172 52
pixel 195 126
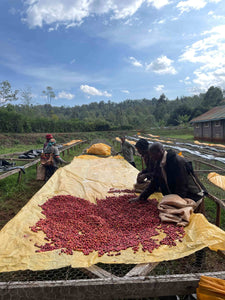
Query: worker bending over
pixel 172 174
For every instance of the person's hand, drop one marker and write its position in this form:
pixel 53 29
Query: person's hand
pixel 141 178
pixel 134 200
pixel 137 200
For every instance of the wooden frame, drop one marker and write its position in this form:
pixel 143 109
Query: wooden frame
pixel 135 287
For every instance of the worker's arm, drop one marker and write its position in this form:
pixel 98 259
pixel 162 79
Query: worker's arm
pixel 57 156
pixel 151 188
pixel 60 160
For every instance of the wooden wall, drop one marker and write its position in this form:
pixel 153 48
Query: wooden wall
pixel 212 131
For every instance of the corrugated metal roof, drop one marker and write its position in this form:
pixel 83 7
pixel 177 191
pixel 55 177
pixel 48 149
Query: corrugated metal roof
pixel 214 114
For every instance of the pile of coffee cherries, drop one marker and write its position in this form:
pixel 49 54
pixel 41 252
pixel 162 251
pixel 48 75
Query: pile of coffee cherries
pixel 111 225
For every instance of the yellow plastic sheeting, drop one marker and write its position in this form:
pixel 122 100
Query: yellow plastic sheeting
pixel 217 179
pixel 99 149
pixel 131 142
pixel 152 135
pixel 91 177
pixel 72 142
pixel 207 144
pixel 155 140
pixel 211 288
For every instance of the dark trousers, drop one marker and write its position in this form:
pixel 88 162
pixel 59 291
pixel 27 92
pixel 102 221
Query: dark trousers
pixel 49 171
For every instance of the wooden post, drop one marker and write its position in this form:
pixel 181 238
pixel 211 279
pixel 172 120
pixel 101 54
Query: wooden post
pixel 19 176
pixel 218 214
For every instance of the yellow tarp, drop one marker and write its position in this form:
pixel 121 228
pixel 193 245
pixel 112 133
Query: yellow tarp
pixel 99 149
pixel 211 288
pixel 91 177
pixel 217 179
pixel 72 142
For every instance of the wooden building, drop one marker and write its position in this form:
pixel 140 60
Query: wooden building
pixel 210 126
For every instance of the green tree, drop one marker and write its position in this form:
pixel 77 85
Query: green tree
pixel 26 96
pixel 180 115
pixel 213 97
pixel 49 93
pixel 161 109
pixel 6 93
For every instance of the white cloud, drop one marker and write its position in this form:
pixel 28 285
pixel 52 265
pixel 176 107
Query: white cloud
pixel 205 80
pixel 162 21
pixel 209 55
pixel 159 87
pixel 125 91
pixel 73 12
pixel 158 3
pixel 65 95
pixel 186 6
pixel 135 62
pixel 218 17
pixel 186 81
pixel 162 65
pixel 93 91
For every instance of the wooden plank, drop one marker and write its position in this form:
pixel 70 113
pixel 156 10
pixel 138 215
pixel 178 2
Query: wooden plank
pixel 208 171
pixel 20 159
pixel 141 269
pixel 107 288
pixel 208 164
pixel 9 173
pixel 218 201
pixel 99 272
pixel 32 163
pixel 10 154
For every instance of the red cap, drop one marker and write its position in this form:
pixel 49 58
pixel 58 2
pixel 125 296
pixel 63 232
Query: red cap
pixel 49 136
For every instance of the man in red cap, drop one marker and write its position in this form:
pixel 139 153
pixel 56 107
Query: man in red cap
pixel 48 137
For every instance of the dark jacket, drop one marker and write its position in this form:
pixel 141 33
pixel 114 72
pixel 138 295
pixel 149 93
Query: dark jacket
pixel 148 171
pixel 180 179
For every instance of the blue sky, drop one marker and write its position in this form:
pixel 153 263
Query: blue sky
pixel 101 50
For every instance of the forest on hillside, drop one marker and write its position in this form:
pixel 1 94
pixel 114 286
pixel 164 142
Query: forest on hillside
pixel 129 114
